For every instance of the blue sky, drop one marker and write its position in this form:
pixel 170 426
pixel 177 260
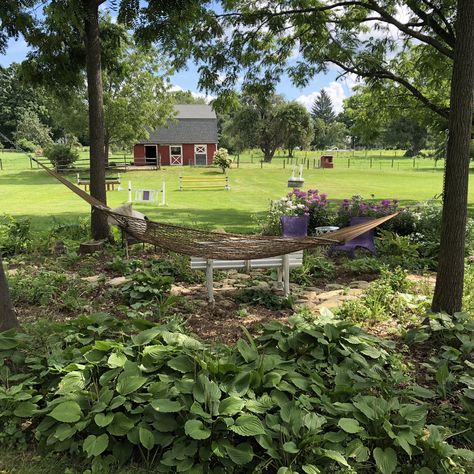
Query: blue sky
pixel 187 80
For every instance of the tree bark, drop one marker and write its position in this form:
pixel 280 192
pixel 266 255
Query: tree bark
pixel 106 148
pixel 449 282
pixel 8 318
pixel 99 226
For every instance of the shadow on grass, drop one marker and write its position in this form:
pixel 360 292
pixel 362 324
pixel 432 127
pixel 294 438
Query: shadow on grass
pixel 30 177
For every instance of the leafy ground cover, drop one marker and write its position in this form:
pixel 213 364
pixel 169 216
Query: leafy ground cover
pixel 118 379
pixel 32 193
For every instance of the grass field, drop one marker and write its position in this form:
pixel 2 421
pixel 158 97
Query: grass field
pixel 31 193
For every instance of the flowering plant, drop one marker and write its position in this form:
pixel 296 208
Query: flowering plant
pixel 358 207
pixel 299 203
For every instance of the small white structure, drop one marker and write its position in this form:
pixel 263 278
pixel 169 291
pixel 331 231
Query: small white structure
pixel 294 182
pixel 282 262
pixel 147 195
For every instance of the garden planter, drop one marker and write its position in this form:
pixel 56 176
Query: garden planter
pixel 294 226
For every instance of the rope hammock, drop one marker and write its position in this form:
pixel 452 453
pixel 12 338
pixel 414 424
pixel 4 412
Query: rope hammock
pixel 214 245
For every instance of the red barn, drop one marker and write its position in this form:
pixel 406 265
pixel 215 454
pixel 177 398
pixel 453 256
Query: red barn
pixel 189 139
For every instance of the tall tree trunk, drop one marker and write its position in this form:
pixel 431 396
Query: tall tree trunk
pixel 7 314
pixel 99 226
pixel 290 152
pixel 449 282
pixel 106 148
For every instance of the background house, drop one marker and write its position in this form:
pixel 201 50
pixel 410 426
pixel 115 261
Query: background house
pixel 189 139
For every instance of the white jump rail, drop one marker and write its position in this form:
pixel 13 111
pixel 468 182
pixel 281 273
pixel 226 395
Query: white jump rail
pixel 282 262
pixel 147 195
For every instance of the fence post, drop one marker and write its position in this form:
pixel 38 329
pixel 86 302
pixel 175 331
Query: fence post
pixel 238 160
pixel 392 161
pixel 370 159
pixel 307 165
pixel 284 164
pixel 261 164
pixel 348 162
pixel 414 162
pixel 1 164
pixel 251 158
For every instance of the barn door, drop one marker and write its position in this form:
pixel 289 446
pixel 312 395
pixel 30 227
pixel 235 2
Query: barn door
pixel 176 155
pixel 200 155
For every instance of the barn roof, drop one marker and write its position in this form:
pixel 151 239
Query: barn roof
pixel 192 124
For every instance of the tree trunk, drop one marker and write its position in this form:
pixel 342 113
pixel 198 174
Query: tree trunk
pixel 7 314
pixel 99 226
pixel 106 149
pixel 449 282
pixel 290 152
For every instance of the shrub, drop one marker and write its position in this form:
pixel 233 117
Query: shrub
pixel 15 235
pixel 363 265
pixel 222 159
pixel 27 145
pixel 62 156
pixel 146 286
pixel 314 266
pixel 319 396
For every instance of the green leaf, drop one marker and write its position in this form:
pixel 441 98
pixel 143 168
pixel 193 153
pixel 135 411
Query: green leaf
pixel 67 412
pixel 350 425
pixel 102 419
pixel 164 405
pixel 248 425
pixel 385 459
pixel 371 352
pixel 290 447
pixel 120 425
pixel 182 364
pixel 116 359
pixel 196 430
pixel 129 383
pixel 95 445
pixel 334 455
pixel 146 438
pixel 231 406
pixel 246 351
pixel 310 469
pixel 146 336
pixel 25 409
pixel 240 454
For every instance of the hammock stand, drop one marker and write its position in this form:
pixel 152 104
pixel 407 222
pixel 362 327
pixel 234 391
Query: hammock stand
pixel 212 245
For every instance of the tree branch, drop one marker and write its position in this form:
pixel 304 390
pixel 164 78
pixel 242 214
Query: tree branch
pixel 430 21
pixel 385 74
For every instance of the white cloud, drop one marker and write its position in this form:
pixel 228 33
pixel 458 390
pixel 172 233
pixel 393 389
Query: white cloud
pixel 334 90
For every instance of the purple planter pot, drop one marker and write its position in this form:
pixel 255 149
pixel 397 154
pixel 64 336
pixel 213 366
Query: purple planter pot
pixel 294 226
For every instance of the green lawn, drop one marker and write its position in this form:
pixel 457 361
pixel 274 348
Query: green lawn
pixel 32 193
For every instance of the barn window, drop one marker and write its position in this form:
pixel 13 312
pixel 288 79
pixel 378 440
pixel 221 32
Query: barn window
pixel 200 155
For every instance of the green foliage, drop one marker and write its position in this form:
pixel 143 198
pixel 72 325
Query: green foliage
pixel 319 396
pixel 314 266
pixel 385 298
pixel 263 297
pixel 322 108
pixel 15 235
pixel 31 129
pixel 364 265
pixel 448 368
pixel 61 156
pixel 146 286
pixel 46 288
pixel 222 159
pixel 296 126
